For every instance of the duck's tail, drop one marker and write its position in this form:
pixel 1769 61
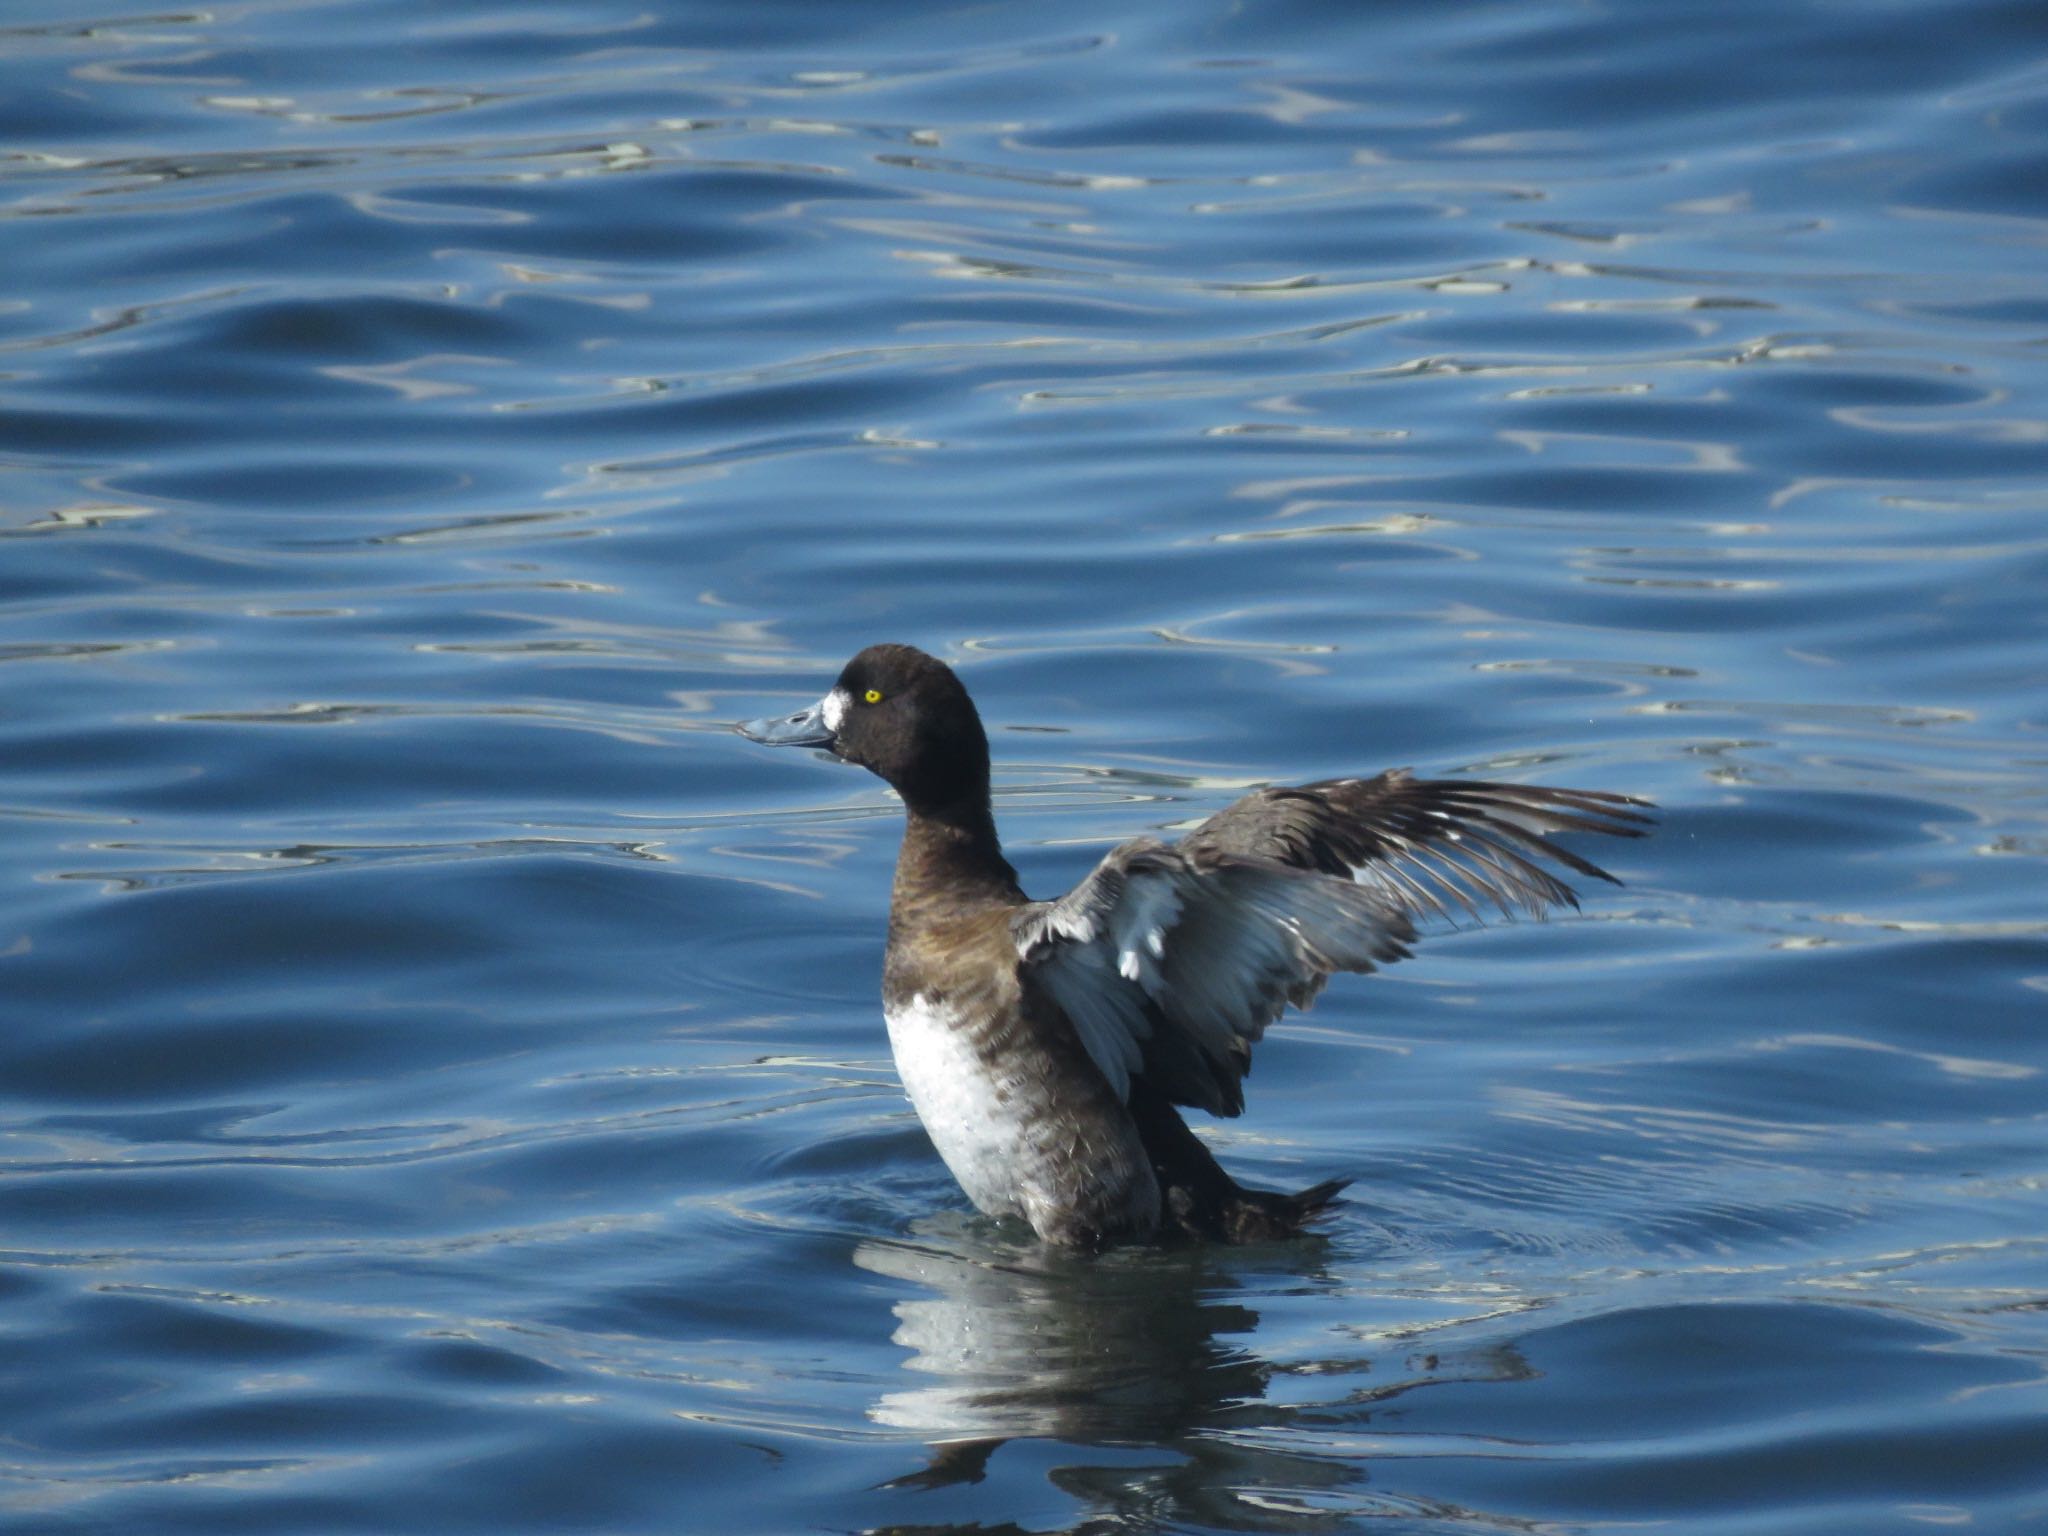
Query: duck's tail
pixel 1266 1215
pixel 1316 1201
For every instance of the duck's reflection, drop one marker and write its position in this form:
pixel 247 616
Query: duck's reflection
pixel 1010 1340
pixel 1147 1356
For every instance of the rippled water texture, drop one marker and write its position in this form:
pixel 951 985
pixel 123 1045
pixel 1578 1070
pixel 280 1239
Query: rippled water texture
pixel 442 1085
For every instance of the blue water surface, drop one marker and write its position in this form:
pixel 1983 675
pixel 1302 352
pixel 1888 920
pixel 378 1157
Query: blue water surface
pixel 442 1085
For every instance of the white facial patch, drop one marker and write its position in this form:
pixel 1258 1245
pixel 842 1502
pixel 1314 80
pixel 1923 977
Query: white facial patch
pixel 833 707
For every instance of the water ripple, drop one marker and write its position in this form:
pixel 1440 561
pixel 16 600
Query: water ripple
pixel 443 1084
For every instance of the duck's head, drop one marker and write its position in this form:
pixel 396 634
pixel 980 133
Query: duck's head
pixel 900 714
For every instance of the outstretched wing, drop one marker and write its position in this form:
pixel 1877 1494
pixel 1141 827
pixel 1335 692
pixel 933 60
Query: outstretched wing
pixel 1171 960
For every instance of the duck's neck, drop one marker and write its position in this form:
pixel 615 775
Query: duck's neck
pixel 951 855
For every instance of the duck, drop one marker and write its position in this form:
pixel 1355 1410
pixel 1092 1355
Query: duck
pixel 1050 1046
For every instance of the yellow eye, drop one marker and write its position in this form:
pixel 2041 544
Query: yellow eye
pixel 873 696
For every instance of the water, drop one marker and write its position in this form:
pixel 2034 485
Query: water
pixel 442 1085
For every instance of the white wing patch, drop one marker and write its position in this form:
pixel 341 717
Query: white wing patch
pixel 1138 926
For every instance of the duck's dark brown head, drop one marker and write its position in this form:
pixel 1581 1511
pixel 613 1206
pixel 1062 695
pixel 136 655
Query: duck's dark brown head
pixel 900 714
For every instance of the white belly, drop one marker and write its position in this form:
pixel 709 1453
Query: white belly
pixel 972 1115
pixel 1024 1135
